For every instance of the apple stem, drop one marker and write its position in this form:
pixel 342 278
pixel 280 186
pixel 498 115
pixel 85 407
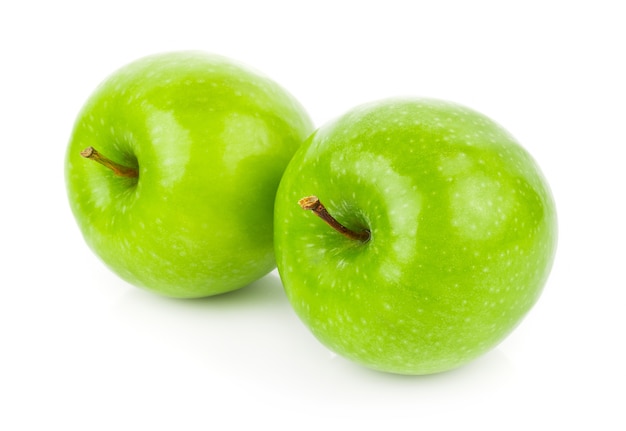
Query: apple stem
pixel 119 170
pixel 312 203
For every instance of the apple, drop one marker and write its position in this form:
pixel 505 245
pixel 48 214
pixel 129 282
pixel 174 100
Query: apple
pixel 436 234
pixel 191 148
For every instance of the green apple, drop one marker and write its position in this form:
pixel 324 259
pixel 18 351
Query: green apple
pixel 439 237
pixel 193 147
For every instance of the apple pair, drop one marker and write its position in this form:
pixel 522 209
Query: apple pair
pixel 436 229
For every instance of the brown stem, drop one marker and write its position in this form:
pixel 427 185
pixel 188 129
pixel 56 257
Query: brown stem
pixel 312 203
pixel 119 170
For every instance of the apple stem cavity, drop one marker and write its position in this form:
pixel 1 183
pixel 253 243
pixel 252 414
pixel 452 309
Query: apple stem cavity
pixel 312 203
pixel 119 170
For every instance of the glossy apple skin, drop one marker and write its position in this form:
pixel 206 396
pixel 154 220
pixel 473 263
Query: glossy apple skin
pixel 463 234
pixel 211 139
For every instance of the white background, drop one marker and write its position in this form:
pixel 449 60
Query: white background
pixel 82 350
